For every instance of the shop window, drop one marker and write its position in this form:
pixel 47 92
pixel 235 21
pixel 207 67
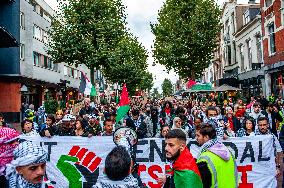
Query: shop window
pixel 271 37
pixel 22 51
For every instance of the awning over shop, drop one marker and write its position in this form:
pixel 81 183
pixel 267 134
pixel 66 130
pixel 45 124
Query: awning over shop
pixel 7 39
pixel 200 88
pixel 226 87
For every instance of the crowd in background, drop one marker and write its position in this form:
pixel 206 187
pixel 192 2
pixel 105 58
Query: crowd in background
pixel 156 117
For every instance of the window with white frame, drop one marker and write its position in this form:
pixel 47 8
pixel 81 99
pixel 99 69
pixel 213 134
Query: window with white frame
pixel 258 48
pixel 22 20
pixel 268 3
pixel 65 71
pixel 37 32
pixel 249 54
pixel 246 17
pixel 22 51
pixel 242 57
pixel 37 59
pixel 271 36
pixel 44 36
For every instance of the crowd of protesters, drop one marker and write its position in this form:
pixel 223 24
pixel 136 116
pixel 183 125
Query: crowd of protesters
pixel 157 117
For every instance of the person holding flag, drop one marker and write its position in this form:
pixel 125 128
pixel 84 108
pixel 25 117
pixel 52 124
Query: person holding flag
pixel 124 106
pixel 184 171
pixel 86 86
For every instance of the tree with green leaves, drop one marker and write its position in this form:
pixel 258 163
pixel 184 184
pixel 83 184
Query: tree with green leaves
pixel 130 65
pixel 87 32
pixel 147 82
pixel 186 35
pixel 167 87
pixel 155 94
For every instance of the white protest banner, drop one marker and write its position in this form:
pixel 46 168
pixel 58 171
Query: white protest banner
pixel 78 161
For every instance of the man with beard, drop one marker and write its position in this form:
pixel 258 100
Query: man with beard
pixel 184 170
pixel 263 129
pixel 212 119
pixel 215 162
pixel 87 109
pixel 28 167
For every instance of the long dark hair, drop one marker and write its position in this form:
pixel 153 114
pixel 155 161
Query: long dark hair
pixel 251 120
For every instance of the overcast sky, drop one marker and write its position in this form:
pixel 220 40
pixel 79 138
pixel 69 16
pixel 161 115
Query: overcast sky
pixel 139 15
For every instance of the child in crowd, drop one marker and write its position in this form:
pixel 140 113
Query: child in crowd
pixel 28 129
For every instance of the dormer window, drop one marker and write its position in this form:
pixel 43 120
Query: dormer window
pixel 246 17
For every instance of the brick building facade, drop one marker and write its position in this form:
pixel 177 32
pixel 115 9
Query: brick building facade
pixel 272 20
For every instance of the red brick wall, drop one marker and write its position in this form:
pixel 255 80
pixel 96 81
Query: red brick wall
pixel 10 97
pixel 279 36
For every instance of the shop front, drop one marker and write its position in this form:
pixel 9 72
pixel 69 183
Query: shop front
pixel 274 78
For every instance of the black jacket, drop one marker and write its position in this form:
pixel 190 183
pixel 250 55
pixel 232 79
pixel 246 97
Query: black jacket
pixel 141 129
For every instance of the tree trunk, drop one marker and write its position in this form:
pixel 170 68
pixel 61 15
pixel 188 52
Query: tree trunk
pixel 192 76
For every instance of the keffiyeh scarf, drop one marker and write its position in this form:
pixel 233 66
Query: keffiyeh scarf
pixel 257 132
pixel 26 153
pixel 6 148
pixel 207 145
pixel 128 182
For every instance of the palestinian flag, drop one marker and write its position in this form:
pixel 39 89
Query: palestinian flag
pixel 186 173
pixel 86 86
pixel 123 104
